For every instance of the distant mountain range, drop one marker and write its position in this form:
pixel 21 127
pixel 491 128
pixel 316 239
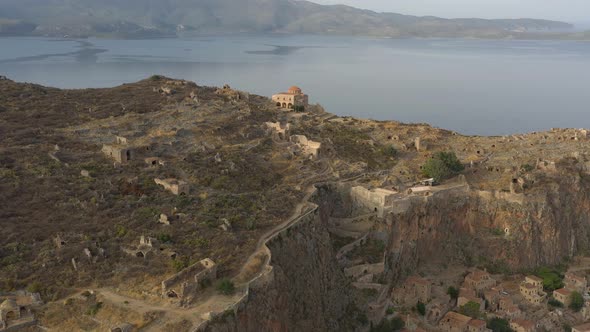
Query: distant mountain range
pixel 158 18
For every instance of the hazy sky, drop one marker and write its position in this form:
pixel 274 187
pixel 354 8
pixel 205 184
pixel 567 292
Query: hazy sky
pixel 568 10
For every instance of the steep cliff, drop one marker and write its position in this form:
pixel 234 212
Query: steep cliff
pixel 305 291
pixel 500 231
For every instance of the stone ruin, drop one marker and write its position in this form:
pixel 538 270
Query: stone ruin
pixel 164 90
pixel 378 199
pixel 185 286
pixel 177 187
pixel 307 147
pixel 194 97
pixel 154 161
pixel 15 310
pixel 147 247
pixel 276 128
pixel 119 150
pixel 230 93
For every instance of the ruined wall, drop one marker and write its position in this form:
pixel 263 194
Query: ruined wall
pixel 306 290
pixel 498 229
pixel 182 276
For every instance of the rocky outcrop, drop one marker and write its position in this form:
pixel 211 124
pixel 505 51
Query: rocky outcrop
pixel 307 290
pixel 495 231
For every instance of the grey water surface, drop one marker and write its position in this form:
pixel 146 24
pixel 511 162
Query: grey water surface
pixel 483 87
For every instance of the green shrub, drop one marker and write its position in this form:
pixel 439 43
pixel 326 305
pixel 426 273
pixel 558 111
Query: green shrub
pixel 93 310
pixel 577 301
pixel 164 238
pixel 499 325
pixel 389 311
pixel 389 151
pixel 421 308
pixel 226 287
pixel 554 303
pixel 179 264
pixel 120 231
pixel 453 292
pixel 470 309
pixel 251 224
pixel 442 165
pixel 146 213
pixel 552 279
pixel 497 232
pixel 35 287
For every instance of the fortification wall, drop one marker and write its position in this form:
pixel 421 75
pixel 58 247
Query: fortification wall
pixel 302 277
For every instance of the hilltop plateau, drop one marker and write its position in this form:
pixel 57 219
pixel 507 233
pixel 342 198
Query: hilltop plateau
pixel 165 205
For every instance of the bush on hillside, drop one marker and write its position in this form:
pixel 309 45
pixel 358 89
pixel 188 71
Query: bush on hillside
pixel 442 165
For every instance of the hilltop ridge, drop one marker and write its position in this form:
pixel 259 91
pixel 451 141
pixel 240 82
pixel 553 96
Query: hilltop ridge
pixel 166 205
pixel 167 18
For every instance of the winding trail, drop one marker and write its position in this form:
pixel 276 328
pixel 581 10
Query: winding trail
pixel 300 209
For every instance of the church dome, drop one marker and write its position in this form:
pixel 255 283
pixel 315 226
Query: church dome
pixel 295 89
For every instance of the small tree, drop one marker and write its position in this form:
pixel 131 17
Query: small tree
pixel 554 303
pixel 421 308
pixel 499 325
pixel 389 151
pixel 226 287
pixel 470 309
pixel 453 292
pixel 442 165
pixel 577 301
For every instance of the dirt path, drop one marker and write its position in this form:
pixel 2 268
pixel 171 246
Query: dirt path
pixel 170 313
pixel 260 246
pixel 138 305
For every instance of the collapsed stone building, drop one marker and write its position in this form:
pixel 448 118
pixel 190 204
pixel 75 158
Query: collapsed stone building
pixel 177 187
pixel 146 246
pixel 120 151
pixel 279 129
pixel 308 148
pixel 16 310
pixel 183 287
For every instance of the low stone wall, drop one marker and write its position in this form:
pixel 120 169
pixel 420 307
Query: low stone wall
pixel 190 278
pixel 363 285
pixel 351 246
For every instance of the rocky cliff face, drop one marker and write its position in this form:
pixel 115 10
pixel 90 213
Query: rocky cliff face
pixel 495 230
pixel 500 233
pixel 307 290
